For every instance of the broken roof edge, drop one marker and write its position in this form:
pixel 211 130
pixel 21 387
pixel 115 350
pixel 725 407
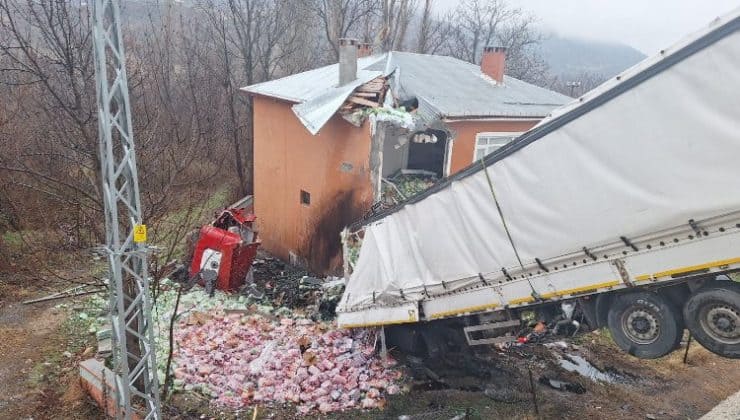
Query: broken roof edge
pixel 247 91
pixel 717 30
pixel 316 112
pixel 282 87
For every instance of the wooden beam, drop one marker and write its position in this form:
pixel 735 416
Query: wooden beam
pixel 361 101
pixel 373 86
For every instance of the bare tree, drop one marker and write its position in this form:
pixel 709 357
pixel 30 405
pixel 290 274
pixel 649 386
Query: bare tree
pixel 522 58
pixel 251 41
pixel 395 18
pixel 478 24
pixel 49 169
pixel 475 24
pixel 289 37
pixel 46 55
pixel 245 38
pixel 425 27
pixel 434 32
pixel 341 19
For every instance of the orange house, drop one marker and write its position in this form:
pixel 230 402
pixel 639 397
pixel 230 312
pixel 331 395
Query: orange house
pixel 326 140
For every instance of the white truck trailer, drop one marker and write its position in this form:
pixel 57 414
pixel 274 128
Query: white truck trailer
pixel 625 203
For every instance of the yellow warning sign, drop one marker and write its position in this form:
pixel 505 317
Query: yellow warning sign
pixel 139 233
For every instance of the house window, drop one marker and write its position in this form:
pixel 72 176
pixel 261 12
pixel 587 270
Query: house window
pixel 305 198
pixel 487 143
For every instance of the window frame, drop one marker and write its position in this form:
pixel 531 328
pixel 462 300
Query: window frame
pixel 476 147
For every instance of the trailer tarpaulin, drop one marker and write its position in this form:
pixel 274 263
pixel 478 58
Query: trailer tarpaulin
pixel 643 153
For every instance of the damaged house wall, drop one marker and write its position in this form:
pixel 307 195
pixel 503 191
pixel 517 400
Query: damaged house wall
pixel 427 150
pixel 395 151
pixel 377 144
pixel 400 151
pixel 323 148
pixel 331 166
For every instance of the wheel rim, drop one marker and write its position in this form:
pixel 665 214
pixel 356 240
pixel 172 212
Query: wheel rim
pixel 721 322
pixel 641 325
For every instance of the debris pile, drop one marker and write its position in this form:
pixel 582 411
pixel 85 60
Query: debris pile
pixel 279 281
pixel 407 184
pixel 399 117
pixel 240 350
pixel 323 295
pixel 370 94
pixel 331 294
pixel 242 359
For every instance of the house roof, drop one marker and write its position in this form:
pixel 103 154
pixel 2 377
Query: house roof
pixel 718 29
pixel 445 87
pixel 301 87
pixel 454 88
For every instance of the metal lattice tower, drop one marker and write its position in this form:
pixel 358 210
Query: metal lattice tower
pixel 130 305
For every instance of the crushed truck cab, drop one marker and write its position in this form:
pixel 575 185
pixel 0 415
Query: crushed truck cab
pixel 225 250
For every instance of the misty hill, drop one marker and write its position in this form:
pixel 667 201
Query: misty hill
pixel 571 56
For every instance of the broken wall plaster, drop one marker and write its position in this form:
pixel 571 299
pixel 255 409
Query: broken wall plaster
pixel 449 147
pixel 377 140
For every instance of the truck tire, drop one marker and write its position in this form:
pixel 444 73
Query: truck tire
pixel 712 315
pixel 644 324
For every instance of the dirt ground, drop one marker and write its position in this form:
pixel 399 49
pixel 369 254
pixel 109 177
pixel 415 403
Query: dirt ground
pixel 655 389
pixel 660 389
pixel 39 381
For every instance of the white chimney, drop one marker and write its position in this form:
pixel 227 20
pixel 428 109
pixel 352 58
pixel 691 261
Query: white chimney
pixel 347 60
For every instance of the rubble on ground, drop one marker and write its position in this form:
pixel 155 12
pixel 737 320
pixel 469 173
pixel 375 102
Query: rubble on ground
pixel 331 293
pixel 278 280
pixel 243 359
pixel 240 351
pixel 196 300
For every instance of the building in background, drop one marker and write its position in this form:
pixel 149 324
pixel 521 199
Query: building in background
pixel 333 142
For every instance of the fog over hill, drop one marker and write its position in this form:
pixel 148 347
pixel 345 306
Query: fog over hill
pixel 568 57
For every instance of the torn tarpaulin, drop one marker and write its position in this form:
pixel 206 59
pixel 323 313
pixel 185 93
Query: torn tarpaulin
pixel 241 360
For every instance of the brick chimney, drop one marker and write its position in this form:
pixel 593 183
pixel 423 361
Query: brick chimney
pixel 347 60
pixel 493 62
pixel 364 49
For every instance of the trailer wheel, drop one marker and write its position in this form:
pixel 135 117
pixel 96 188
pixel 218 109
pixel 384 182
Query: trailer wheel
pixel 644 324
pixel 712 315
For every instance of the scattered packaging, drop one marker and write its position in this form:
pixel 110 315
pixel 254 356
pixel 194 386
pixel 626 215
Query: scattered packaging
pixel 241 360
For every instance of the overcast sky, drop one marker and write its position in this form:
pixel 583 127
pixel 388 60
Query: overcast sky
pixel 647 25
